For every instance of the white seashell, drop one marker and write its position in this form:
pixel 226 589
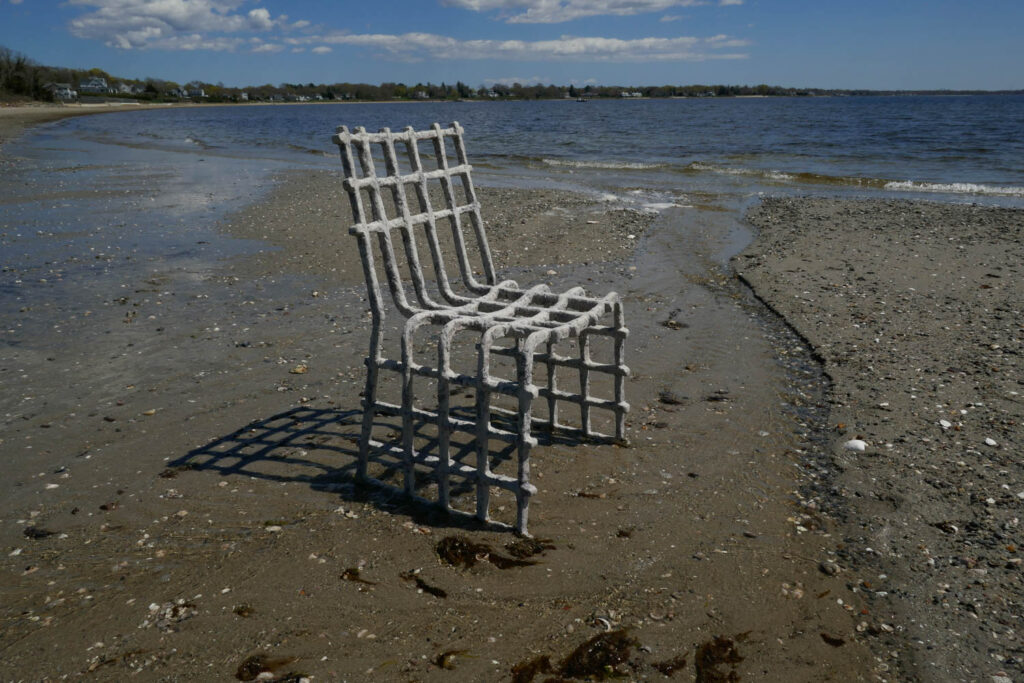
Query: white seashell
pixel 946 424
pixel 991 442
pixel 855 445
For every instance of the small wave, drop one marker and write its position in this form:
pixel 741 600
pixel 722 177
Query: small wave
pixel 197 142
pixel 606 165
pixel 725 170
pixel 308 150
pixel 954 188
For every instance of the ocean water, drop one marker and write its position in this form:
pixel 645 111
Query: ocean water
pixel 956 146
pixel 90 202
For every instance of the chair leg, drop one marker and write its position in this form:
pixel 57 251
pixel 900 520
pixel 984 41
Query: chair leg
pixel 369 413
pixel 524 489
pixel 552 387
pixel 483 426
pixel 408 427
pixel 444 430
pixel 620 376
pixel 584 382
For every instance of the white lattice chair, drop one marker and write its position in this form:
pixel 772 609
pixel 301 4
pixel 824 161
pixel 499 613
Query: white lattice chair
pixel 400 199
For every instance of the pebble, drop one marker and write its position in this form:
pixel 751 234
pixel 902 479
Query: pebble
pixel 855 445
pixel 991 442
pixel 829 568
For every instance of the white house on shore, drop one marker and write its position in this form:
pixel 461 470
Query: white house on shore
pixel 61 91
pixel 94 85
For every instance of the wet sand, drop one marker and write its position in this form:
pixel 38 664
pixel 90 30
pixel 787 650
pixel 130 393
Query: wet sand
pixel 179 496
pixel 15 119
pixel 915 310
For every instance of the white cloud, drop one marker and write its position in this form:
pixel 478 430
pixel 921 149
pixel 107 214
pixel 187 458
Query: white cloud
pixel 268 47
pixel 169 24
pixel 670 17
pixel 16 2
pixel 321 50
pixel 529 80
pixel 556 11
pixel 414 47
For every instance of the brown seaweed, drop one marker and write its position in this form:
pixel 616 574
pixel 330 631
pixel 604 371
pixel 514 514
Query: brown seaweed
pixel 36 533
pixel 528 547
pixel 352 574
pixel 525 672
pixel 446 660
pixel 834 641
pixel 599 657
pixel 712 655
pixel 459 551
pixel 423 585
pixel 671 666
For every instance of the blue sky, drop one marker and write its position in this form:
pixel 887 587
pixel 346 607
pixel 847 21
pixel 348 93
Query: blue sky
pixel 890 44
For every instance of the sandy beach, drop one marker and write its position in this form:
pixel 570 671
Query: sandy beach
pixel 180 503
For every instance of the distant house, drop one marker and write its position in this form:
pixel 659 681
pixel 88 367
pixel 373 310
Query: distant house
pixel 60 91
pixel 196 92
pixel 128 89
pixel 94 85
pixel 243 97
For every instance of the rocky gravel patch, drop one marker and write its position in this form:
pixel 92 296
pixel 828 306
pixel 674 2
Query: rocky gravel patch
pixel 916 312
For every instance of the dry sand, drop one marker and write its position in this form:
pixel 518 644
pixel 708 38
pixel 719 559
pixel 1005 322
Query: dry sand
pixel 916 312
pixel 179 495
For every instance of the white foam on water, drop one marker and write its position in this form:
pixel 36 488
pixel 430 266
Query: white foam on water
pixel 609 165
pixel 723 170
pixel 954 188
pixel 657 207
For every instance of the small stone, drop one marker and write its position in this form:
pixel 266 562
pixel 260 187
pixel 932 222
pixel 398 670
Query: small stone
pixel 829 568
pixel 855 445
pixel 299 370
pixel 991 442
pixel 151 411
pixel 946 424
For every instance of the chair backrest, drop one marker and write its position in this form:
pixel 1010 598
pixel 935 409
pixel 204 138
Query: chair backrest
pixel 407 199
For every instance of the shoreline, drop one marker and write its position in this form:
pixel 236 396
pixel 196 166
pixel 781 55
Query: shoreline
pixel 914 310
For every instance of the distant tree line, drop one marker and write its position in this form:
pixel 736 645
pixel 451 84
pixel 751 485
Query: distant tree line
pixel 22 77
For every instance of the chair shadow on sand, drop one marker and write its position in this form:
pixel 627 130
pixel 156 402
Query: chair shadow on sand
pixel 320 447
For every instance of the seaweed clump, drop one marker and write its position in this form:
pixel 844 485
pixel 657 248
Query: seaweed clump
pixel 459 551
pixel 671 666
pixel 599 657
pixel 714 653
pixel 524 672
pixel 528 547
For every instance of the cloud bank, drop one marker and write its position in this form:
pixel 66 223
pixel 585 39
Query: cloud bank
pixel 227 25
pixel 558 11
